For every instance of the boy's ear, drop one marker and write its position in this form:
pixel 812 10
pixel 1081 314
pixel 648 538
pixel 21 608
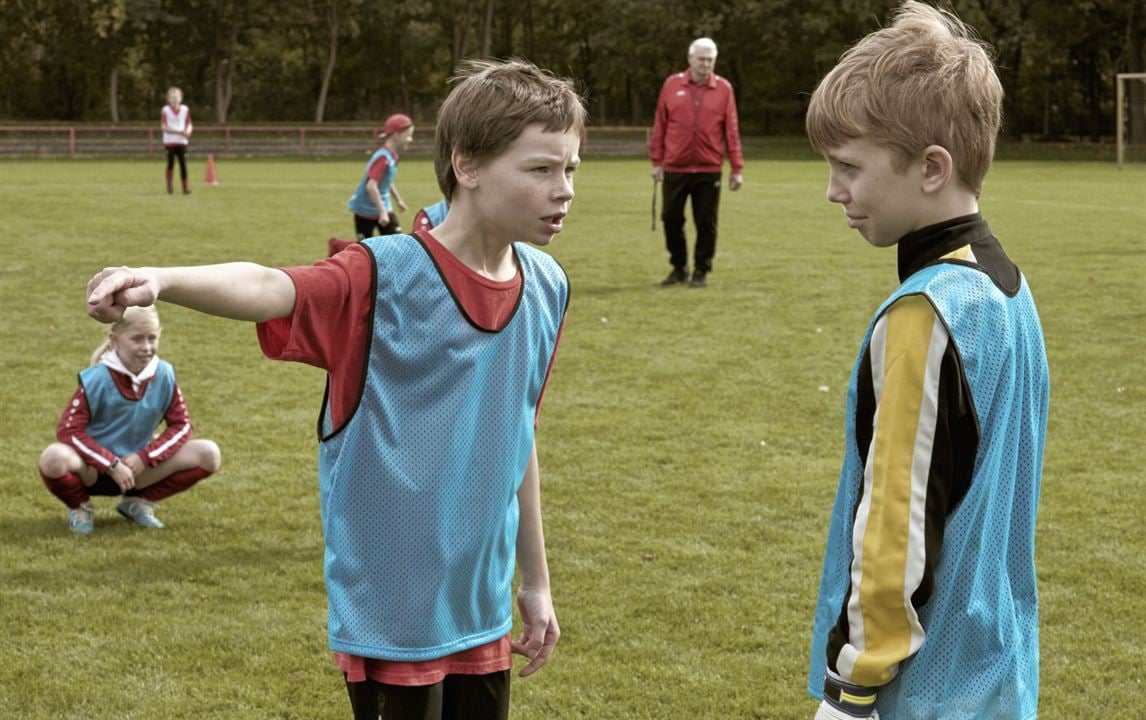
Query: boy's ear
pixel 465 170
pixel 938 168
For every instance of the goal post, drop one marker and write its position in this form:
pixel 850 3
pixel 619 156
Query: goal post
pixel 1129 127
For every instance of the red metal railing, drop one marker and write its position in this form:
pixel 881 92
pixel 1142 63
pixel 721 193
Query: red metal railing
pixel 76 140
pixel 257 140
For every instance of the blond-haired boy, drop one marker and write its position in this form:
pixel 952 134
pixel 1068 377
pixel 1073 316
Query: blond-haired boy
pixel 927 605
pixel 437 348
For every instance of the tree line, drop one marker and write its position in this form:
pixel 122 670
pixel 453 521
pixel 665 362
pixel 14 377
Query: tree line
pixel 359 60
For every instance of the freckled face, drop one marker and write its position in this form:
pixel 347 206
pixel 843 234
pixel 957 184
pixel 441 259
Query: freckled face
pixel 525 191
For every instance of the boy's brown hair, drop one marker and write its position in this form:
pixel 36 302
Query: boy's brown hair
pixel 490 106
pixel 925 80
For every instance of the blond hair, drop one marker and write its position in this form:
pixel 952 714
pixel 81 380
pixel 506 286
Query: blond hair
pixel 491 104
pixel 131 316
pixel 925 80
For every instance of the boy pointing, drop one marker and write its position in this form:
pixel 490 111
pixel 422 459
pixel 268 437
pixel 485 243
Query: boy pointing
pixel 437 348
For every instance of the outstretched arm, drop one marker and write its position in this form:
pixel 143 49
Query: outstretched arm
pixel 240 291
pixel 539 631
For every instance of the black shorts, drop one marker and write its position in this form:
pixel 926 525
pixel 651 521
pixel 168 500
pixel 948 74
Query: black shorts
pixel 458 697
pixel 104 485
pixel 364 227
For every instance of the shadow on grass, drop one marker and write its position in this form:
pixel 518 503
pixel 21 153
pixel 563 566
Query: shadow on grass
pixel 20 530
pixel 584 289
pixel 24 531
pixel 119 550
pixel 653 284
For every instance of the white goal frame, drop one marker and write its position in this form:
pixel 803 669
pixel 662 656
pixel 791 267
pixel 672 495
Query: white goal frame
pixel 1120 101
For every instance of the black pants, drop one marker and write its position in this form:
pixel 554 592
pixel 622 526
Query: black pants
pixel 458 697
pixel 364 227
pixel 704 189
pixel 177 151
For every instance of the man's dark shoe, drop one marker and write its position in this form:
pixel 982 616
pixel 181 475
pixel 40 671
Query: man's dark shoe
pixel 698 280
pixel 677 276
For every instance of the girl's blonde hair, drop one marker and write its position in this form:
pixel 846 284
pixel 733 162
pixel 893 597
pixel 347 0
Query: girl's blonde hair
pixel 131 316
pixel 925 80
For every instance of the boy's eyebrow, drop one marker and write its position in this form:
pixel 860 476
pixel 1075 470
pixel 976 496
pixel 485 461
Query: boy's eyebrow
pixel 551 158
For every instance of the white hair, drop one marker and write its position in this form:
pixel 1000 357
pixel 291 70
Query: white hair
pixel 704 43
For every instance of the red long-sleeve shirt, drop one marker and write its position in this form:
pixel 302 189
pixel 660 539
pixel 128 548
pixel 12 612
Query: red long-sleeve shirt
pixel 696 126
pixel 72 428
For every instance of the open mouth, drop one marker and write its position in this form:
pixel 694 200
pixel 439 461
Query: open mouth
pixel 554 222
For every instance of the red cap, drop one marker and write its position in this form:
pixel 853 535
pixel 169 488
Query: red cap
pixel 396 123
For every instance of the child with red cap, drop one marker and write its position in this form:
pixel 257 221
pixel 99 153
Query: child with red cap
pixel 371 201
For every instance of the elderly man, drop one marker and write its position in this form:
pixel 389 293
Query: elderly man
pixel 695 127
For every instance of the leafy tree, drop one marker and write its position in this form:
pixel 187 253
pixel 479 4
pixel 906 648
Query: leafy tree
pixel 358 60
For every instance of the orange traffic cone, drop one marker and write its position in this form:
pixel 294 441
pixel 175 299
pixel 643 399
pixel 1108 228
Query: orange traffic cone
pixel 210 178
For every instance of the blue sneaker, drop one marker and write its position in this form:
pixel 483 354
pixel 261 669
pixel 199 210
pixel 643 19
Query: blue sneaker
pixel 140 511
pixel 80 519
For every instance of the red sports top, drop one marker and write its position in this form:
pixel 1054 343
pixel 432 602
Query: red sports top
pixel 378 168
pixel 329 328
pixel 696 125
pixel 74 421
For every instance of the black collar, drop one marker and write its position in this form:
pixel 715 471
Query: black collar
pixel 926 246
pixel 921 247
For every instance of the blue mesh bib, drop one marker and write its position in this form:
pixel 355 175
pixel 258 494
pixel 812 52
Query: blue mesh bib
pixel 121 425
pixel 980 659
pixel 418 489
pixel 360 202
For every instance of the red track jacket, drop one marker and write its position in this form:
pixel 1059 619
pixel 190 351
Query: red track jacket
pixel 695 126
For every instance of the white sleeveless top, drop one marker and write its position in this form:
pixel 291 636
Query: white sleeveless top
pixel 177 120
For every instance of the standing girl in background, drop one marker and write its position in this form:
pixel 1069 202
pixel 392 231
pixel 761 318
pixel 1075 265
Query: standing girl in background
pixel 370 202
pixel 175 119
pixel 107 442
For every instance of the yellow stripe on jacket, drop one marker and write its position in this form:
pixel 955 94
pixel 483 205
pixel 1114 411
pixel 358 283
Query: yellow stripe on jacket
pixel 907 349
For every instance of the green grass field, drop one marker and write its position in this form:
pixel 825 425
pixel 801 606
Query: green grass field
pixel 689 453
